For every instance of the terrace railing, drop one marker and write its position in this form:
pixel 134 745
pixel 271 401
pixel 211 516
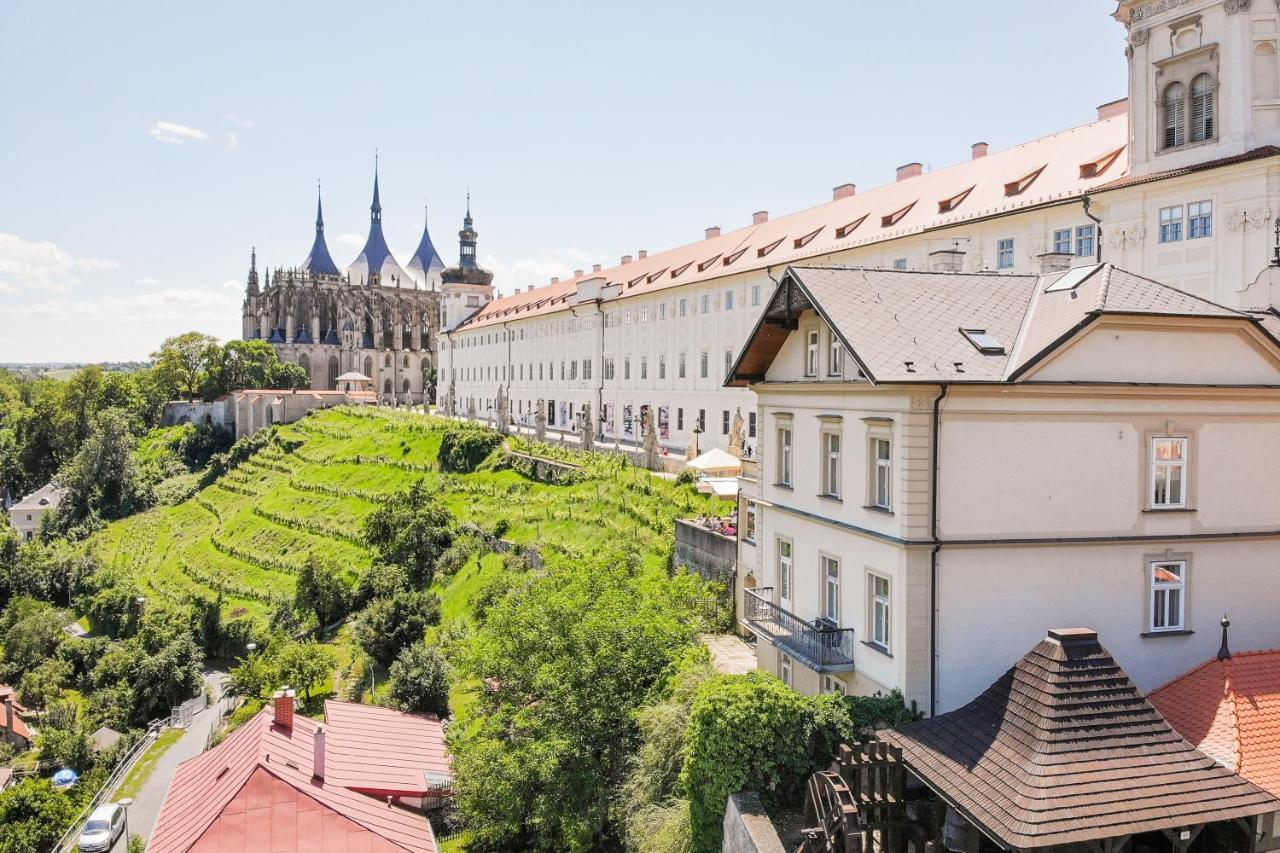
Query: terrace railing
pixel 820 647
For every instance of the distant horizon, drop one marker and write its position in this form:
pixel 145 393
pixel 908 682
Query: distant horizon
pixel 582 135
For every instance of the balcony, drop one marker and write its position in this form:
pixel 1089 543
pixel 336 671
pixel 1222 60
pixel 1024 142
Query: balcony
pixel 820 648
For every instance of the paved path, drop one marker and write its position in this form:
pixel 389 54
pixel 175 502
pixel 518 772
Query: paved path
pixel 146 805
pixel 730 653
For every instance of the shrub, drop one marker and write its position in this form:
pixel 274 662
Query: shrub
pixel 462 449
pixel 420 681
pixel 411 530
pixel 390 624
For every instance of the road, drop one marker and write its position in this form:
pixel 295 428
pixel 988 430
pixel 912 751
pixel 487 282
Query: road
pixel 146 805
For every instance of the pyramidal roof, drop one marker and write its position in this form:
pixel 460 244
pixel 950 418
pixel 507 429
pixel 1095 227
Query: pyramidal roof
pixel 318 261
pixel 375 259
pixel 426 260
pixel 1064 749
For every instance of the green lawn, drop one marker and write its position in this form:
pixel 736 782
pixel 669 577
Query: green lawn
pixel 141 771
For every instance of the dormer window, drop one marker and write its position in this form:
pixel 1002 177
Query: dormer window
pixel 949 204
pixel 845 230
pixel 801 242
pixel 1024 183
pixel 896 217
pixel 764 250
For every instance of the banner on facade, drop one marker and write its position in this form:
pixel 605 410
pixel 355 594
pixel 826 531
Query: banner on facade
pixel 664 428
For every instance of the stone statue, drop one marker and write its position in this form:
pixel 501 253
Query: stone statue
pixel 588 429
pixel 502 406
pixel 651 457
pixel 471 408
pixel 540 421
pixel 735 434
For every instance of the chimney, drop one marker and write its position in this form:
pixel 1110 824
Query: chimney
pixel 760 217
pixel 626 259
pixel 946 260
pixel 979 150
pixel 1054 262
pixel 595 268
pixel 843 191
pixel 909 171
pixel 555 279
pixel 713 231
pixel 577 273
pixel 283 700
pixel 642 254
pixel 1113 109
pixel 317 753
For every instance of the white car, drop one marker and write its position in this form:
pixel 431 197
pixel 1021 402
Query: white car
pixel 102 828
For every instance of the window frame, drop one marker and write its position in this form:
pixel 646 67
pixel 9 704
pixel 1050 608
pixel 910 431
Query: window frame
pixel 831 448
pixel 1062 245
pixel 812 346
pixel 829 594
pixel 879 432
pixel 1161 593
pixel 785 466
pixel 1086 241
pixel 1005 253
pixel 1201 220
pixel 876 604
pixel 835 356
pixel 784 568
pixel 1182 466
pixel 1170 230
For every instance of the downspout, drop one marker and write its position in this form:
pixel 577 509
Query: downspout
pixel 598 414
pixel 933 557
pixel 511 369
pixel 1087 202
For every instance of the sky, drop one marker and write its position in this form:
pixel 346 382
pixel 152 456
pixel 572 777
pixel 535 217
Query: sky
pixel 145 147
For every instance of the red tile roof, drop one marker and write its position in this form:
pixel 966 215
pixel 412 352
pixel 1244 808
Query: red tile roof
pixel 1230 709
pixel 207 792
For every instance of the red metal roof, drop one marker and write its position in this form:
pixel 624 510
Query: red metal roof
pixel 206 789
pixel 1230 709
pixel 382 751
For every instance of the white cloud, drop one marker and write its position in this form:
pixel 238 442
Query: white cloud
pixel 232 285
pixel 42 265
pixel 148 281
pixel 350 239
pixel 233 142
pixel 167 131
pixel 236 120
pixel 171 304
pixel 538 269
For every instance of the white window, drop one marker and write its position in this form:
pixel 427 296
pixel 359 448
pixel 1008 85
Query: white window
pixel 684 307
pixel 704 363
pixel 1085 241
pixel 728 361
pixel 834 685
pixel 784 456
pixel 831 464
pixel 662 366
pixel 644 313
pixel 784 669
pixel 882 482
pixel 1004 254
pixel 831 589
pixel 1171 224
pixel 1199 220
pixel 784 572
pixel 644 367
pixel 1168 595
pixel 811 354
pixel 880 613
pixel 749 531
pixel 899 263
pixel 706 303
pixel 662 310
pixel 1062 241
pixel 1168 473
pixel 835 357
pixel 626 367
pixel 681 365
pixel 724 422
pixel 755 295
pixel 728 300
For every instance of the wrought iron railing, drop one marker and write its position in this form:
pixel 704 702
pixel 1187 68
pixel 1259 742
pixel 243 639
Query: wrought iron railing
pixel 825 649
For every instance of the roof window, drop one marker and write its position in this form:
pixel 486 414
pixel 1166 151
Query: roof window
pixel 733 256
pixel 675 273
pixel 983 342
pixel 845 230
pixel 1072 278
pixel 764 250
pixel 1021 185
pixel 801 242
pixel 657 275
pixel 1097 167
pixel 895 217
pixel 707 263
pixel 949 204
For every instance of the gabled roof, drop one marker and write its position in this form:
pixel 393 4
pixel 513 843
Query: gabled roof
pixel 382 751
pixel 211 786
pixel 47 496
pixel 1230 709
pixel 908 326
pixel 1064 749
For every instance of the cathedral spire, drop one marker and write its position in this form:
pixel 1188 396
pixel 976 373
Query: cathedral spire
pixel 376 208
pixel 425 265
pixel 467 239
pixel 319 262
pixel 253 272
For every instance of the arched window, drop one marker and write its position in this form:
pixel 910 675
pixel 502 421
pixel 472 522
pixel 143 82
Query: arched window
pixel 406 361
pixel 333 373
pixel 1203 117
pixel 406 386
pixel 304 361
pixel 1173 109
pixel 386 387
pixel 368 366
pixel 387 361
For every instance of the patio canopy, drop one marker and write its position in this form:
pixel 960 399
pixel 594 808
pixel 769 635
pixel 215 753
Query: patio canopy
pixel 717 460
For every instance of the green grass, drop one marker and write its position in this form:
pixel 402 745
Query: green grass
pixel 141 771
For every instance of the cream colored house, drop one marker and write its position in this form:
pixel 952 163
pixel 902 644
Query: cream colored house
pixel 951 462
pixel 1182 181
pixel 26 514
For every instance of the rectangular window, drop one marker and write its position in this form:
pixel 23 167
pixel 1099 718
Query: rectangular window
pixel 724 422
pixel 702 420
pixel 680 370
pixel 704 364
pixel 1199 220
pixel 608 368
pixel 831 589
pixel 1086 241
pixel 879 628
pixel 626 368
pixel 573 370
pixel 751 424
pixel 830 684
pixel 728 300
pixel 882 484
pixel 784 572
pixel 706 303
pixel 811 354
pixel 1004 254
pixel 784 456
pixel 1171 224
pixel 662 310
pixel 831 464
pixel 1168 473
pixel 784 669
pixel 662 366
pixel 749 531
pixel 586 368
pixel 626 317
pixel 679 418
pixel 1062 241
pixel 1168 595
pixel 728 361
pixel 684 307
pixel 644 367
pixel 644 313
pixel 835 357
pixel 899 263
pixel 755 295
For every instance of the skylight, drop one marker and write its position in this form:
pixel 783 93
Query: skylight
pixel 1072 278
pixel 983 342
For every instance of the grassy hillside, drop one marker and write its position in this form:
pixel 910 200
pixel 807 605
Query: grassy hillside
pixel 247 535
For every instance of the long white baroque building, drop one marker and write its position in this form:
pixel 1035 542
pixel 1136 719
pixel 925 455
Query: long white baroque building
pixel 1179 182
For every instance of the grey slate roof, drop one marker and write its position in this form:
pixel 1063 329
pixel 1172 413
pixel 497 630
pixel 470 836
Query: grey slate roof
pixel 47 496
pixel 905 326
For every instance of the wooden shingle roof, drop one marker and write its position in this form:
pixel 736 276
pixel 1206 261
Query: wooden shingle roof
pixel 1064 749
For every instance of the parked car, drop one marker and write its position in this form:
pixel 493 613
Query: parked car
pixel 102 828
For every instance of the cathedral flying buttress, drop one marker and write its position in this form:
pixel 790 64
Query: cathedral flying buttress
pixel 379 318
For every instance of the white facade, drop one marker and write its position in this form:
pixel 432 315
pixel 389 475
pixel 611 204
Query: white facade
pixel 1193 210
pixel 26 514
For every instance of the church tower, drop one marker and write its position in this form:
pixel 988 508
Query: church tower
pixel 1204 83
pixel 318 261
pixel 426 265
pixel 468 287
pixel 375 265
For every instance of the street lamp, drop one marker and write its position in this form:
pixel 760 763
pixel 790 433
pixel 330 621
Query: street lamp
pixel 125 803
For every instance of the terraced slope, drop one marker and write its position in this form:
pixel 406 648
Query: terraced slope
pixel 247 535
